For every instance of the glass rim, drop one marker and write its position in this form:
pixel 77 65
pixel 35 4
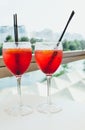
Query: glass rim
pixel 16 45
pixel 47 43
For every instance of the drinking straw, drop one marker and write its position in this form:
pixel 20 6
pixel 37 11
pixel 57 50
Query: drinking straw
pixel 15 28
pixel 72 13
pixel 55 53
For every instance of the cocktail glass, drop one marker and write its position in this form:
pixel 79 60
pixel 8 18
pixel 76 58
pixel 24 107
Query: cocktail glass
pixel 48 57
pixel 17 58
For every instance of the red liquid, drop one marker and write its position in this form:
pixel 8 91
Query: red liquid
pixel 17 60
pixel 43 59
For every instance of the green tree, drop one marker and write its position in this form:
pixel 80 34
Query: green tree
pixel 77 43
pixel 24 39
pixel 65 45
pixel 0 48
pixel 72 46
pixel 9 38
pixel 82 43
pixel 33 40
pixel 84 66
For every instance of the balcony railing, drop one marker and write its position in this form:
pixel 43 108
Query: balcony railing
pixel 68 56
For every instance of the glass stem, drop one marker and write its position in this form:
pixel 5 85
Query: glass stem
pixel 48 89
pixel 19 90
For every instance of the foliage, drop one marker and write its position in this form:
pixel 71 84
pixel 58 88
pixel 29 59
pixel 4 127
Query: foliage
pixel 24 39
pixel 9 38
pixel 82 44
pixel 65 67
pixel 84 66
pixel 67 45
pixel 58 74
pixel 73 45
pixel 33 42
pixel 62 71
pixel 1 49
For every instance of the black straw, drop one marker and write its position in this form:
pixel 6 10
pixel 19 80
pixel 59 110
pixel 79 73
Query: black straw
pixel 55 52
pixel 66 27
pixel 15 28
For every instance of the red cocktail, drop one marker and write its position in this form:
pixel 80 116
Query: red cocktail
pixel 17 60
pixel 48 58
pixel 43 59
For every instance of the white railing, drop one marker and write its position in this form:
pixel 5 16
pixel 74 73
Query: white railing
pixel 68 56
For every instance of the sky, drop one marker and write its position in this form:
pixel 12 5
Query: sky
pixel 37 15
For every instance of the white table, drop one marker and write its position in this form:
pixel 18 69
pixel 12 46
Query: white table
pixel 72 117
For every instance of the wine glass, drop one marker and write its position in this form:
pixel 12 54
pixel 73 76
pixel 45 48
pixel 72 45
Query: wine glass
pixel 17 58
pixel 48 57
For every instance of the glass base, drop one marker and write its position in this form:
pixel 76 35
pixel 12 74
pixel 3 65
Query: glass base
pixel 49 108
pixel 19 110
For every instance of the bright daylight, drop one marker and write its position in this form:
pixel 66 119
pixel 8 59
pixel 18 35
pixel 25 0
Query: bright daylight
pixel 42 65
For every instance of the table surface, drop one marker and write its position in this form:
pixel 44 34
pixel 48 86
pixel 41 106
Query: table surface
pixel 70 95
pixel 72 117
